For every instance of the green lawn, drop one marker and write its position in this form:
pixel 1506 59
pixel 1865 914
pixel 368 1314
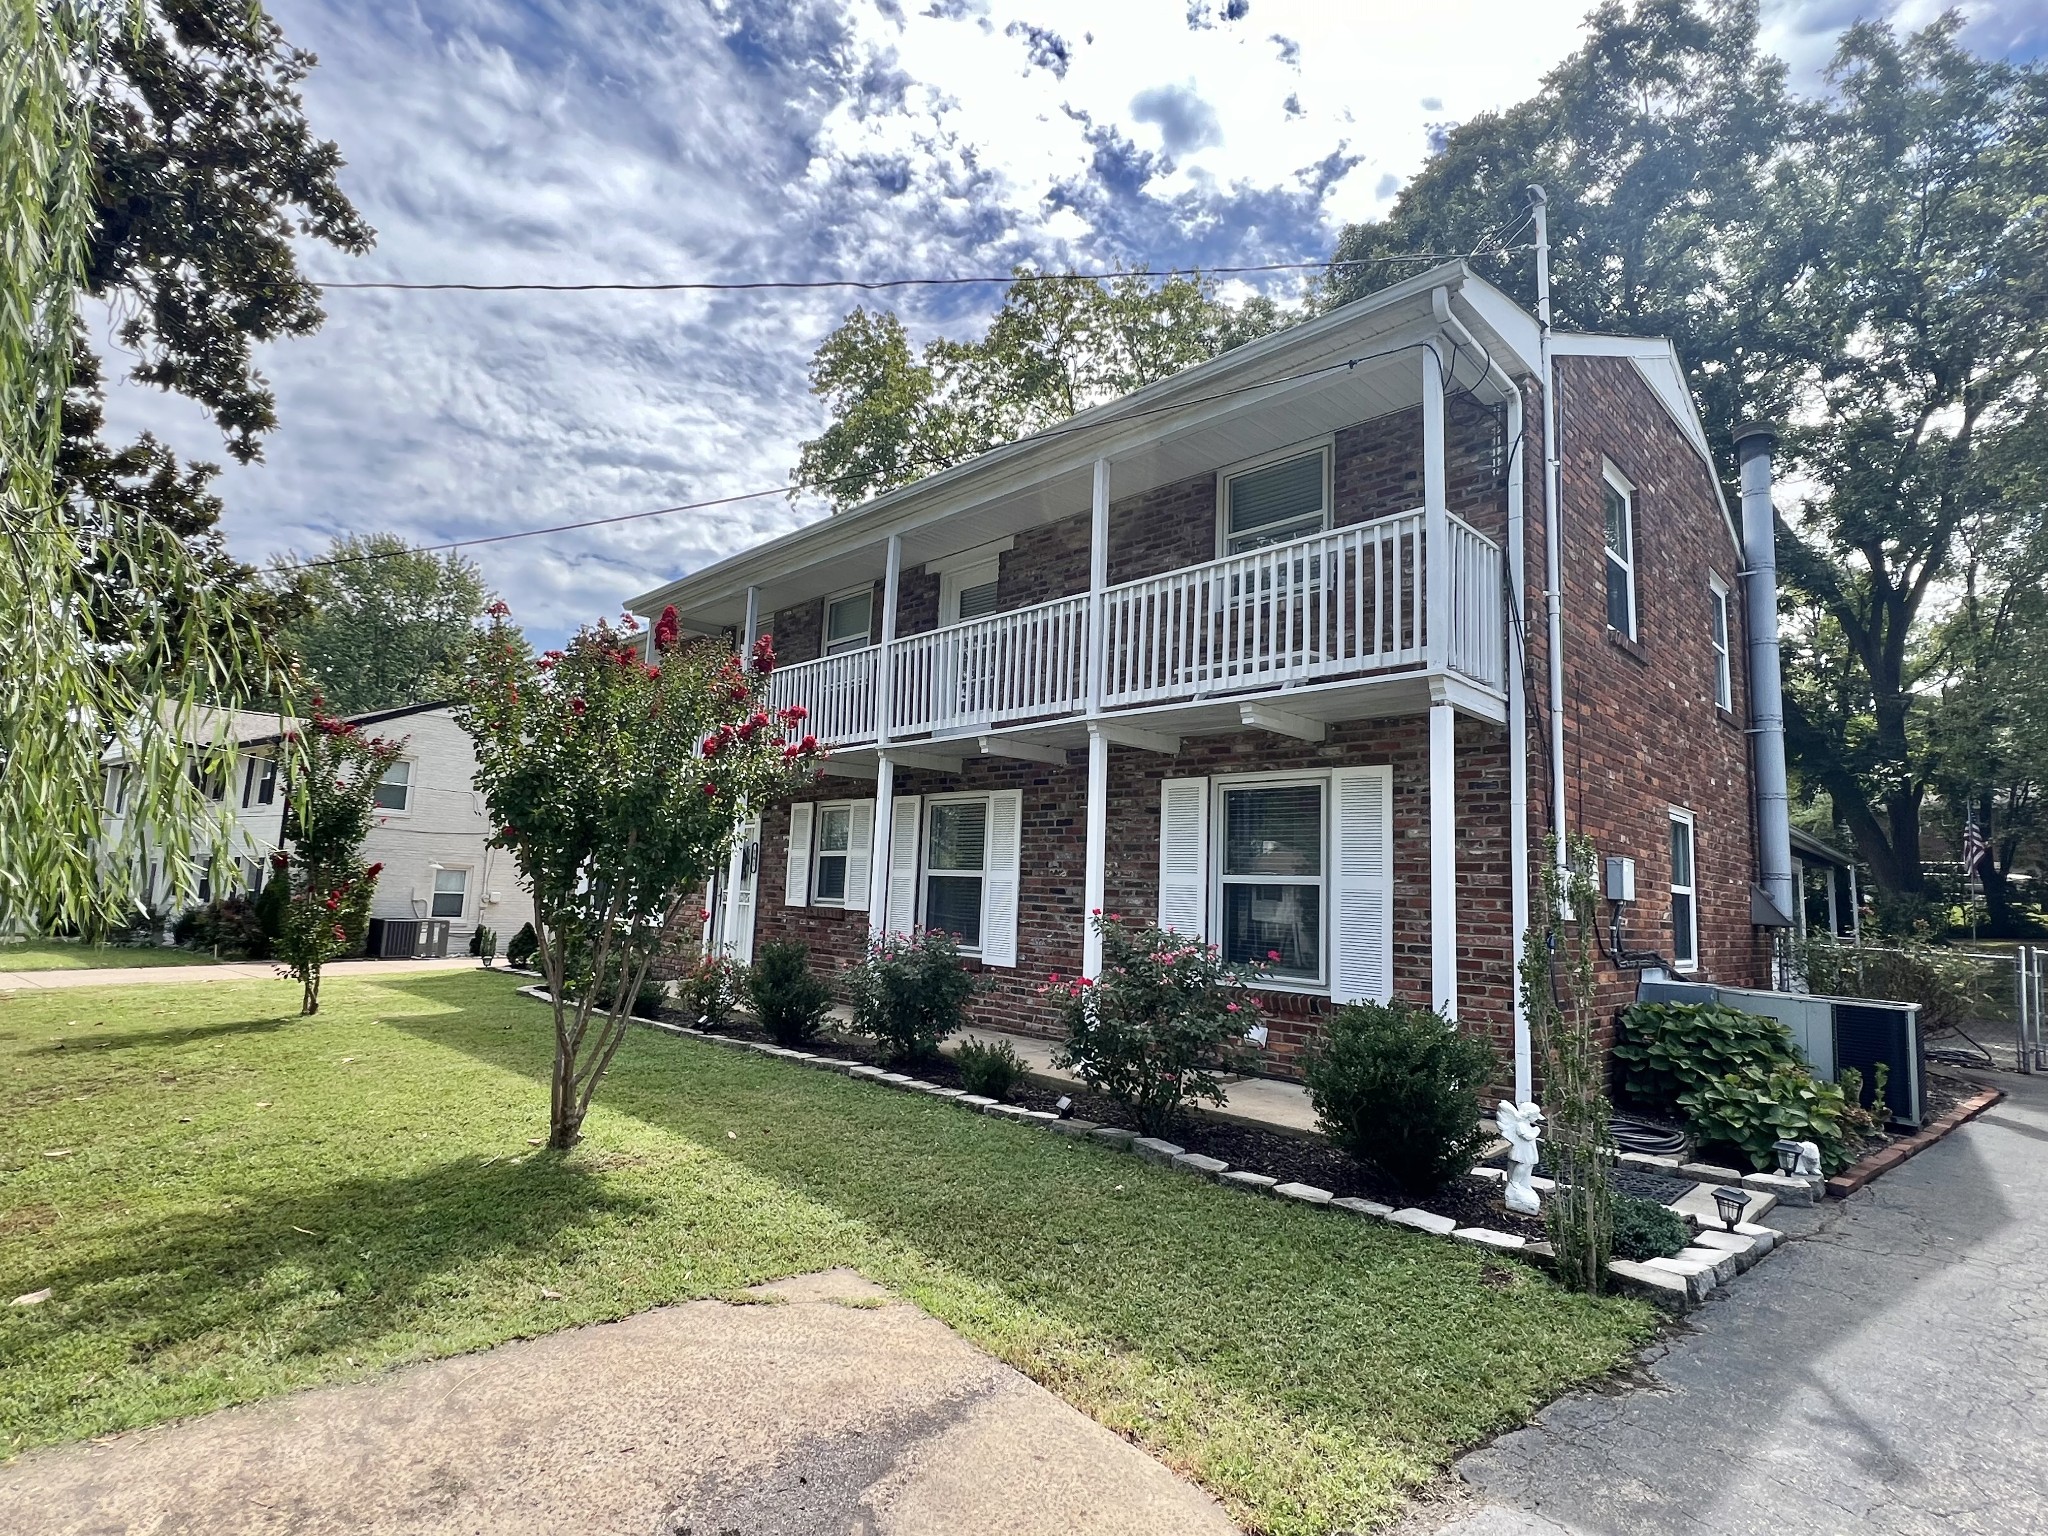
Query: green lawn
pixel 251 1202
pixel 58 955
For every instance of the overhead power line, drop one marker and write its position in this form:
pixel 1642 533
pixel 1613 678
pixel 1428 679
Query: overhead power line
pixel 882 284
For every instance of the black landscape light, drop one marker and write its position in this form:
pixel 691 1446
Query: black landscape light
pixel 1787 1154
pixel 1065 1106
pixel 1730 1203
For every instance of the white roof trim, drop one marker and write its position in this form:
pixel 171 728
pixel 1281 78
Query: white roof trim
pixel 1656 359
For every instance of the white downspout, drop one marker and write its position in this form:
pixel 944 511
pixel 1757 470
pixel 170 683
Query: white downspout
pixel 1553 533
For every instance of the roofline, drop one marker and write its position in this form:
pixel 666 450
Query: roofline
pixel 893 511
pixel 373 717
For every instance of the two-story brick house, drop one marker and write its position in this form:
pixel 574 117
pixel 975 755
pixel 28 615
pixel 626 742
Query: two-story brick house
pixel 1264 652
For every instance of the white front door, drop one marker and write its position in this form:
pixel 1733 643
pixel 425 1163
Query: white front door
pixel 733 919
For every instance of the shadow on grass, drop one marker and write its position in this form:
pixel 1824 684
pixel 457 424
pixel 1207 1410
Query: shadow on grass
pixel 334 1269
pixel 145 1039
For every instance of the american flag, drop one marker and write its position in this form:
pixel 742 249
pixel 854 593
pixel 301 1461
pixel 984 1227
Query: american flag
pixel 1975 851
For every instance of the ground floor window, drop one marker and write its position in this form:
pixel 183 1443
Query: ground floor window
pixel 956 864
pixel 451 889
pixel 1272 876
pixel 1685 917
pixel 835 842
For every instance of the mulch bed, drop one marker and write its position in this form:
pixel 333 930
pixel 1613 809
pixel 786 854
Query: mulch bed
pixel 1292 1159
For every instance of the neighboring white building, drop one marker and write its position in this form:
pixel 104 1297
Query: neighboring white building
pixel 429 832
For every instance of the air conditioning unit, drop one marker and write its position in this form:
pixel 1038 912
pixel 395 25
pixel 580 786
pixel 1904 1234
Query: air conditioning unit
pixel 1832 1033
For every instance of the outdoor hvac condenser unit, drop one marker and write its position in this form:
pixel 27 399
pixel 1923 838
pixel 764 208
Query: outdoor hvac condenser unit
pixel 1832 1033
pixel 394 938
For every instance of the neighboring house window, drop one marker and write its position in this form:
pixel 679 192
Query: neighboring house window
pixel 259 781
pixel 1272 877
pixel 205 886
pixel 835 840
pixel 1286 498
pixel 210 782
pixel 1685 915
pixel 117 790
pixel 1621 554
pixel 1724 677
pixel 394 790
pixel 451 888
pixel 969 593
pixel 849 619
pixel 956 864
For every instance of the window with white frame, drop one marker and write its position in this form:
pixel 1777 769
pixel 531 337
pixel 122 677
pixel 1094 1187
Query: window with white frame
pixel 117 790
pixel 393 792
pixel 451 890
pixel 1621 553
pixel 849 620
pixel 1282 498
pixel 955 865
pixel 1685 914
pixel 968 593
pixel 1717 615
pixel 1272 899
pixel 835 845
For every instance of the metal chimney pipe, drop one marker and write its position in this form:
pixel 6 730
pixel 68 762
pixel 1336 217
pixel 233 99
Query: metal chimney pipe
pixel 1753 445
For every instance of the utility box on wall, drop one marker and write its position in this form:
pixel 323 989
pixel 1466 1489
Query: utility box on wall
pixel 1621 880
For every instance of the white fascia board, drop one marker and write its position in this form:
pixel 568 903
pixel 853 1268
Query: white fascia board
pixel 1656 359
pixel 1076 442
pixel 1504 318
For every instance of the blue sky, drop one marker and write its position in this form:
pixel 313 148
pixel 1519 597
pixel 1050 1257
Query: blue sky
pixel 497 141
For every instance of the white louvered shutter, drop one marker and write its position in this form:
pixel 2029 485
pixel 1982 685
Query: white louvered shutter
pixel 796 880
pixel 903 824
pixel 1184 856
pixel 860 854
pixel 747 865
pixel 1000 884
pixel 1363 886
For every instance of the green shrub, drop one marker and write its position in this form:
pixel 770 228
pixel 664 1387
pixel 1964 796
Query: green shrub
pixel 1668 1050
pixel 990 1068
pixel 229 926
pixel 788 1000
pixel 1165 1017
pixel 1751 1109
pixel 483 943
pixel 524 946
pixel 1398 1087
pixel 1950 990
pixel 910 992
pixel 1643 1229
pixel 711 991
pixel 272 904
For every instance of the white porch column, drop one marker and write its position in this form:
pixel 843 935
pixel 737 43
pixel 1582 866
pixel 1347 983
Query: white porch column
pixel 753 627
pixel 1443 868
pixel 1518 732
pixel 1436 524
pixel 1095 876
pixel 885 767
pixel 1098 850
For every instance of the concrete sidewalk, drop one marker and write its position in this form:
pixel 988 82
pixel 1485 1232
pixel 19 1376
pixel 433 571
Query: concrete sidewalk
pixel 231 970
pixel 1887 1373
pixel 811 1417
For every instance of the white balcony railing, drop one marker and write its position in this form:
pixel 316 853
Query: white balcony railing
pixel 1029 664
pixel 1349 603
pixel 1336 604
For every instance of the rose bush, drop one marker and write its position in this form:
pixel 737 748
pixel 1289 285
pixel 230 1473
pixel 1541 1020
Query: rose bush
pixel 617 775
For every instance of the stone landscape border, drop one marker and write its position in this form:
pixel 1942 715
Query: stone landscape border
pixel 1885 1159
pixel 1676 1284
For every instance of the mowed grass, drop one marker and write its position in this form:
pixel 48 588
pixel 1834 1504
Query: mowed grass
pixel 61 955
pixel 249 1202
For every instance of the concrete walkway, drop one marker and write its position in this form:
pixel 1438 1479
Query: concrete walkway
pixel 808 1418
pixel 229 970
pixel 1886 1374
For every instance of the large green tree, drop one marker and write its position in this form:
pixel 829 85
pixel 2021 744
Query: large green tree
pixel 1054 347
pixel 1865 265
pixel 380 623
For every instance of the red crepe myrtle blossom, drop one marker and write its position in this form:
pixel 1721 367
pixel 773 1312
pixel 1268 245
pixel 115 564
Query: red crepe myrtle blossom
pixel 710 789
pixel 654 674
pixel 668 629
pixel 577 706
pixel 712 744
pixel 280 860
pixel 499 609
pixel 340 934
pixel 764 654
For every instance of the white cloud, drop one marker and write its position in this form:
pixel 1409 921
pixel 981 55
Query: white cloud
pixel 557 141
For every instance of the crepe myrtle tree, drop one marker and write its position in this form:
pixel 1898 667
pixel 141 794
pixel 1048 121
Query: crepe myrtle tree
pixel 327 816
pixel 617 775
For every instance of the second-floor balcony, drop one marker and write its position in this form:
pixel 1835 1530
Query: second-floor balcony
pixel 1349 605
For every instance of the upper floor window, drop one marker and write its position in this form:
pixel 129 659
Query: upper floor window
pixel 117 790
pixel 968 593
pixel 259 781
pixel 1621 554
pixel 1281 499
pixel 849 619
pixel 1717 613
pixel 394 790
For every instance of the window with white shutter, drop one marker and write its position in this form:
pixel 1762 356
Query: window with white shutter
pixel 796 878
pixel 1000 884
pixel 860 841
pixel 1363 870
pixel 904 816
pixel 1184 856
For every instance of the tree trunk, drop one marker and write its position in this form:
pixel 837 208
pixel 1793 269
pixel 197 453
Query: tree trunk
pixel 309 998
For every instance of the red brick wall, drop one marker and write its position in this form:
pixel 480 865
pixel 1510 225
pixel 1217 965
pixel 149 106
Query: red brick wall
pixel 1642 732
